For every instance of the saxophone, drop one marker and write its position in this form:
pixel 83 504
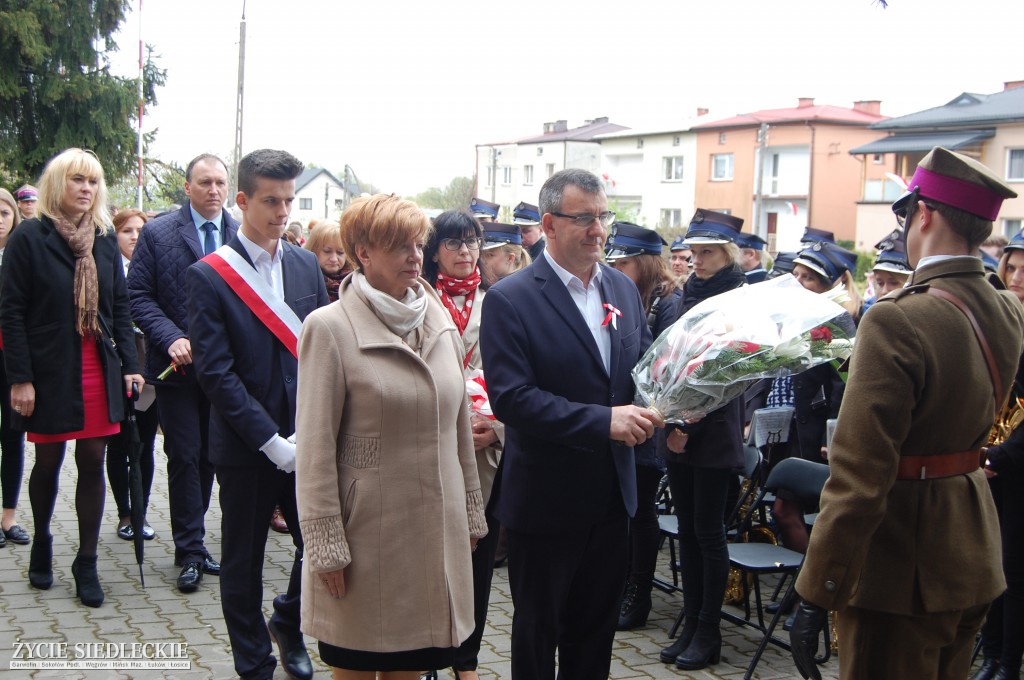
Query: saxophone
pixel 1011 415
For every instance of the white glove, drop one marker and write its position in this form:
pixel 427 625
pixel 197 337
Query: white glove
pixel 281 453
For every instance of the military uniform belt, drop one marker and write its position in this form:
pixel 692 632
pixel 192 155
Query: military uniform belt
pixel 940 465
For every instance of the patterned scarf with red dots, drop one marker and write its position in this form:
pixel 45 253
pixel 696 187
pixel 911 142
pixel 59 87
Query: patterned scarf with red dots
pixel 449 287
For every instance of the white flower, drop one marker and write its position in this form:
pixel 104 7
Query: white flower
pixel 794 348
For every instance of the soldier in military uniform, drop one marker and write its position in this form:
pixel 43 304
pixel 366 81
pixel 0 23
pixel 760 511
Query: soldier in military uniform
pixel 906 547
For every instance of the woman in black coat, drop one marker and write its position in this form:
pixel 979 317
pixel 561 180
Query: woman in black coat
pixel 636 252
pixel 703 459
pixel 69 351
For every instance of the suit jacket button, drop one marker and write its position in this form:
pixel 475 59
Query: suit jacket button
pixel 830 586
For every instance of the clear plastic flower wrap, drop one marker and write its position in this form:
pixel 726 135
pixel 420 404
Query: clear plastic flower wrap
pixel 717 349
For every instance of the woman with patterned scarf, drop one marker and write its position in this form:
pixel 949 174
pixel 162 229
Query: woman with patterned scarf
pixel 450 263
pixel 69 351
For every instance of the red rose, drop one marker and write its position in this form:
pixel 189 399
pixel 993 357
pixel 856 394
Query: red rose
pixel 743 346
pixel 821 333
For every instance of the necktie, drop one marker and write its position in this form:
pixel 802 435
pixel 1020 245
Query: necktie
pixel 209 242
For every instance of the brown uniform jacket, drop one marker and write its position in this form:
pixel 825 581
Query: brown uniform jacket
pixel 918 385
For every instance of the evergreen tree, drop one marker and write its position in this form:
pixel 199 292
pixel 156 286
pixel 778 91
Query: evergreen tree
pixel 56 89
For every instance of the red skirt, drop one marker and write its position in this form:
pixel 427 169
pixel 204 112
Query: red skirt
pixel 94 394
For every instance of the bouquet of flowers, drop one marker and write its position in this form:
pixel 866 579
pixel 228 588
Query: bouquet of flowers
pixel 721 346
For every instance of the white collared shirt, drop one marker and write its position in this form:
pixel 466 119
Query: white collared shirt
pixel 266 266
pixel 588 301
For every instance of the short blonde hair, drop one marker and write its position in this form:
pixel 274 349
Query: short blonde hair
pixel 382 221
pixel 55 180
pixel 321 234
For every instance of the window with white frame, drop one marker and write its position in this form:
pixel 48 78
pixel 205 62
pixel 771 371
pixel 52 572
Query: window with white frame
pixel 721 167
pixel 878 158
pixel 671 168
pixel 527 174
pixel 305 204
pixel 1011 226
pixel 551 169
pixel 506 175
pixel 1015 165
pixel 540 150
pixel 671 217
pixel 676 140
pixel 640 143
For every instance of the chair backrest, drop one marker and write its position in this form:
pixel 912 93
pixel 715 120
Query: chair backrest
pixel 751 461
pixel 799 477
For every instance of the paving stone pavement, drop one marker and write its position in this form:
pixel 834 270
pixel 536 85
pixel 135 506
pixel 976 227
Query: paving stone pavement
pixel 159 613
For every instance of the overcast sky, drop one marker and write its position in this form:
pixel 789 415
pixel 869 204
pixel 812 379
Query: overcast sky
pixel 402 91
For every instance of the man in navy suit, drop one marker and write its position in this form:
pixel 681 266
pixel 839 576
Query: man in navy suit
pixel 248 371
pixel 559 339
pixel 166 248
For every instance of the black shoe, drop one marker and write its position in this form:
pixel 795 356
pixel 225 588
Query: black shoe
pixel 87 581
pixel 636 606
pixel 40 563
pixel 1004 673
pixel 705 650
pixel 671 653
pixel 787 625
pixel 3 540
pixel 988 669
pixel 125 532
pixel 190 577
pixel 17 535
pixel 292 650
pixel 211 566
pixel 148 532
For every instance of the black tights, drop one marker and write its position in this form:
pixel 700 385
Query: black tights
pixel 89 496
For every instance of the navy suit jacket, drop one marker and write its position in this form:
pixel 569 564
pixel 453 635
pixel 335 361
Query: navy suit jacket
pixel 245 371
pixel 166 248
pixel 547 384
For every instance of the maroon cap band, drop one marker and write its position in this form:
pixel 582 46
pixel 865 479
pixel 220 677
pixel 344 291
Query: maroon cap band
pixel 967 196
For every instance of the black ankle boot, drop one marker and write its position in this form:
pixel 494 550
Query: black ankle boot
pixel 40 563
pixel 636 605
pixel 672 652
pixel 988 669
pixel 1005 673
pixel 705 649
pixel 87 582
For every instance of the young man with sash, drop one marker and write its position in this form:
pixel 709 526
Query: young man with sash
pixel 246 302
pixel 906 547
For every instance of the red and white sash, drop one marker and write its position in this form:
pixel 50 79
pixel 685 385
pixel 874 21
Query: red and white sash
pixel 261 299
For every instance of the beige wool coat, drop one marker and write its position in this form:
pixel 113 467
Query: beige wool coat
pixel 387 484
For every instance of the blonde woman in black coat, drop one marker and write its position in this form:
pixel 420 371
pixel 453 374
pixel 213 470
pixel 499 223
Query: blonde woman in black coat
pixel 69 351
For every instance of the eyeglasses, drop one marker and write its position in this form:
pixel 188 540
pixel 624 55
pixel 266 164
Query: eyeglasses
pixel 473 243
pixel 606 218
pixel 905 212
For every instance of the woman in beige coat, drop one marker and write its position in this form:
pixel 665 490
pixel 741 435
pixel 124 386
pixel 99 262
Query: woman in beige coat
pixel 388 492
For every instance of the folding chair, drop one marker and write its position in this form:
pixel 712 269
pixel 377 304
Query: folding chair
pixel 803 480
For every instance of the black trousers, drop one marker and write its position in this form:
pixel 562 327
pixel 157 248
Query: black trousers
pixel 644 530
pixel 185 418
pixel 118 450
pixel 566 589
pixel 247 499
pixel 466 656
pixel 12 446
pixel 700 495
pixel 1002 636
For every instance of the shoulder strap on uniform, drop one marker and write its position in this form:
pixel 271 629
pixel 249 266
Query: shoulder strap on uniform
pixel 993 372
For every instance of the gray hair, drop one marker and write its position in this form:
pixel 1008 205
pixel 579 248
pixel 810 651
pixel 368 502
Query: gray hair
pixel 554 188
